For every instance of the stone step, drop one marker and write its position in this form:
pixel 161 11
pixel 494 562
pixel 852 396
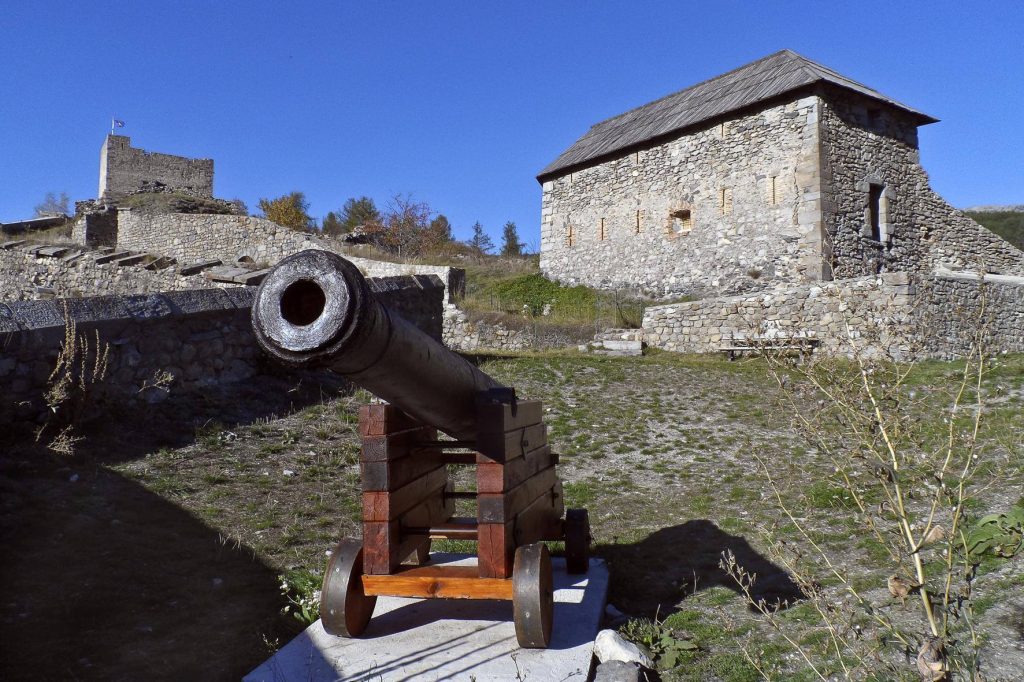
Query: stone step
pixel 254 278
pixel 196 268
pixel 132 260
pixel 7 246
pixel 621 345
pixel 112 256
pixel 162 263
pixel 226 273
pixel 52 251
pixel 619 353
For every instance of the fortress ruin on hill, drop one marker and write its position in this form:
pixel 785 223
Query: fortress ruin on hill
pixel 125 169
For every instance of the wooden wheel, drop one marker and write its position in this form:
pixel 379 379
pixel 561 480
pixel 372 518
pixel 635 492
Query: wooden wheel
pixel 533 600
pixel 577 541
pixel 344 607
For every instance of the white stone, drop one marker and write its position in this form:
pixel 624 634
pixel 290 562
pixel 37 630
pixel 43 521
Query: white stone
pixel 611 646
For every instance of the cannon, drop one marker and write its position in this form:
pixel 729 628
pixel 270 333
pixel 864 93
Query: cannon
pixel 315 309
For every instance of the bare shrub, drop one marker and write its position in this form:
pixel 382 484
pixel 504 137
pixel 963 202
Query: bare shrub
pixel 81 365
pixel 904 470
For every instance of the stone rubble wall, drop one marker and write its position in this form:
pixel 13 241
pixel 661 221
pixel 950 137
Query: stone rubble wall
pixel 895 313
pixel 196 237
pixel 470 334
pixel 763 240
pixel 195 338
pixel 23 277
pixel 963 308
pixel 124 169
pixel 864 144
pixel 875 306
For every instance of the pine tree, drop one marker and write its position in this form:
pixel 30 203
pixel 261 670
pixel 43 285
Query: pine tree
pixel 480 241
pixel 511 247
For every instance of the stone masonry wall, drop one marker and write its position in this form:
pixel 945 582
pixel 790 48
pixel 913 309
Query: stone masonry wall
pixel 873 306
pixel 196 338
pixel 962 308
pixel 864 144
pixel 896 313
pixel 610 225
pixel 125 169
pixel 23 276
pixel 195 237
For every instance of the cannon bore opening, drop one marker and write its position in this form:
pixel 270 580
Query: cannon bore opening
pixel 302 302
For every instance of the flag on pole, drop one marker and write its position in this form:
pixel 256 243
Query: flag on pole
pixel 115 123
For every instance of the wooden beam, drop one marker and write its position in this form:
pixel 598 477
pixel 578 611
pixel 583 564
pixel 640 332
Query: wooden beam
pixel 498 478
pixel 393 474
pixel 447 582
pixel 382 419
pixel 508 445
pixel 388 506
pixel 502 507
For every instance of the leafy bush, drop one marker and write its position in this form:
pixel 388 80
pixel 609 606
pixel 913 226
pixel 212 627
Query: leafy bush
pixel 667 647
pixel 997 534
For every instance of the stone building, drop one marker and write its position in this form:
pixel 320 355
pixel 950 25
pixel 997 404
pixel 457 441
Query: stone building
pixel 780 172
pixel 125 170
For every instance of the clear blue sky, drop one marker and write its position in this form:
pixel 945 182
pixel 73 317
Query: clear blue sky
pixel 461 103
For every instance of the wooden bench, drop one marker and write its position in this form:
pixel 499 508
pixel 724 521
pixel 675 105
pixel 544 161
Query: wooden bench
pixel 761 343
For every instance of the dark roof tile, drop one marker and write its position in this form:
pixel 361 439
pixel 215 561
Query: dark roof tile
pixel 758 81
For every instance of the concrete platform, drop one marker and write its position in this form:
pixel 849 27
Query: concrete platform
pixel 451 639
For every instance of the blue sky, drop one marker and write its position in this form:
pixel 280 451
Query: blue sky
pixel 461 103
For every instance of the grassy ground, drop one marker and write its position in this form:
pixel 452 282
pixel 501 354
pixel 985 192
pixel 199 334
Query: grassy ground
pixel 162 539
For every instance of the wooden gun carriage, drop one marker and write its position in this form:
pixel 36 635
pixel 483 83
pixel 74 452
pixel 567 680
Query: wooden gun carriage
pixel 315 308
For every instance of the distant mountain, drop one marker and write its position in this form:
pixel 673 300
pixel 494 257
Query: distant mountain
pixel 1006 221
pixel 1009 208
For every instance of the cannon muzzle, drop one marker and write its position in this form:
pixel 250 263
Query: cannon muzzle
pixel 316 309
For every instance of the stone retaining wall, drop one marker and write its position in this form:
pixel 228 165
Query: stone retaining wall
pixel 24 277
pixel 196 237
pixel 903 316
pixel 472 333
pixel 190 339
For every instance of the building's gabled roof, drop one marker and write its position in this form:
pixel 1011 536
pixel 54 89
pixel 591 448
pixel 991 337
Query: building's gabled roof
pixel 774 75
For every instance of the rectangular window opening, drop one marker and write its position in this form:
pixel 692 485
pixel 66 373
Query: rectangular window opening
pixel 773 190
pixel 638 222
pixel 875 211
pixel 725 200
pixel 601 233
pixel 681 221
pixel 570 236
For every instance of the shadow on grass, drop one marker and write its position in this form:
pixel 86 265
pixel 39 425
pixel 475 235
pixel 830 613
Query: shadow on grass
pixel 106 580
pixel 115 433
pixel 651 577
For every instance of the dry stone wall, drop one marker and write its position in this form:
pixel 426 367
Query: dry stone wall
pixel 896 313
pixel 196 237
pixel 160 342
pixel 25 276
pixel 864 145
pixel 876 307
pixel 471 333
pixel 750 185
pixel 963 308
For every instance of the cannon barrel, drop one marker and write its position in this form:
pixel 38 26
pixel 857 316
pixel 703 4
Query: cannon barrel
pixel 316 309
